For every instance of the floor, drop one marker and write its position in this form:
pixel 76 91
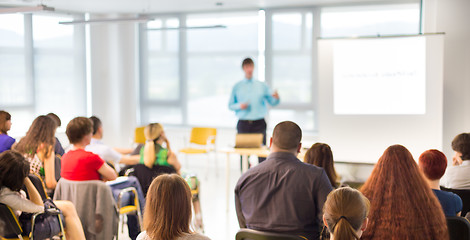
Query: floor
pixel 218 223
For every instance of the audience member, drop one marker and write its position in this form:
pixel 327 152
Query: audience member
pixel 433 164
pixel 402 204
pixel 168 211
pixel 153 153
pixel 38 147
pixel 58 149
pixel 457 176
pixel 320 155
pixel 14 169
pixel 105 152
pixel 6 142
pixel 345 214
pixel 283 194
pixel 81 165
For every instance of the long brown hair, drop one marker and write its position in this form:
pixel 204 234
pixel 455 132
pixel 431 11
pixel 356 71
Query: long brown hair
pixel 320 155
pixel 4 118
pixel 345 210
pixel 402 204
pixel 168 208
pixel 42 131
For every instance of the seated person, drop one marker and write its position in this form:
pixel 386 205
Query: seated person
pixel 153 153
pixel 79 164
pixel 320 155
pixel 433 164
pixel 168 210
pixel 14 169
pixel 6 142
pixel 38 148
pixel 457 176
pixel 58 149
pixel 105 152
pixel 402 204
pixel 300 188
pixel 345 214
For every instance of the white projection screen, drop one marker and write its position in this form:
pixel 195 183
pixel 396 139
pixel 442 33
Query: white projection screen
pixel 375 92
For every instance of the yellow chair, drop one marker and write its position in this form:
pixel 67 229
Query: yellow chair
pixel 202 141
pixel 130 209
pixel 139 136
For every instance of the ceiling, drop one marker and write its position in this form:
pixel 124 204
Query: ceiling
pixel 173 6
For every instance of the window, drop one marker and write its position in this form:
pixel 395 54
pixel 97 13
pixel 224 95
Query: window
pixel 161 90
pixel 214 64
pixel 370 20
pixel 187 73
pixel 291 67
pixel 41 68
pixel 59 70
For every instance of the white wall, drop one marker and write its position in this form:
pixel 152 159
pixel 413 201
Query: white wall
pixel 113 77
pixel 453 18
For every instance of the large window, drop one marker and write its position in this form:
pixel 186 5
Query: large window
pixel 41 68
pixel 290 66
pixel 190 62
pixel 214 63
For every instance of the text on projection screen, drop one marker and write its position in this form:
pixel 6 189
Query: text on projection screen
pixel 380 76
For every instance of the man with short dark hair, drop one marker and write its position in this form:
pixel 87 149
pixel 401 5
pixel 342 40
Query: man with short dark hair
pixel 249 100
pixel 283 194
pixel 105 152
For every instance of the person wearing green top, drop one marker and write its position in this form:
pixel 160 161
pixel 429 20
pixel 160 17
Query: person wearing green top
pixel 153 153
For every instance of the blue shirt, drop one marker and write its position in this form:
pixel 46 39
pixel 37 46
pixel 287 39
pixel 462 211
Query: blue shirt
pixel 451 203
pixel 6 142
pixel 254 93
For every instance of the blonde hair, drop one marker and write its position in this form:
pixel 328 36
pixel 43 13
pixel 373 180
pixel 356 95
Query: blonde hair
pixel 345 210
pixel 152 132
pixel 168 208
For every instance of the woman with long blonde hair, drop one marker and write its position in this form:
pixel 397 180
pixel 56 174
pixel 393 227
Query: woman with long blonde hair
pixel 153 153
pixel 345 214
pixel 402 204
pixel 167 213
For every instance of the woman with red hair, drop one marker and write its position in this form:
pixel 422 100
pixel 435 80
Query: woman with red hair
pixel 433 164
pixel 402 205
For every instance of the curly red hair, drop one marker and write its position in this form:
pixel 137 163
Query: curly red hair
pixel 402 204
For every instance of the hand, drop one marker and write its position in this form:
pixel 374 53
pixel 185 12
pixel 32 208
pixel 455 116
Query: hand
pixel 244 106
pixel 276 95
pixel 457 160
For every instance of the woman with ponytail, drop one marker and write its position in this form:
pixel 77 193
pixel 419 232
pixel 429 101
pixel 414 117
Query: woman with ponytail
pixel 345 214
pixel 320 155
pixel 153 153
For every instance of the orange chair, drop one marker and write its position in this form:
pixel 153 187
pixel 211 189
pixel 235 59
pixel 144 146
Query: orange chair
pixel 202 141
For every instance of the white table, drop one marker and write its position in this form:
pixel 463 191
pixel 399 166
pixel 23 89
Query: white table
pixel 244 153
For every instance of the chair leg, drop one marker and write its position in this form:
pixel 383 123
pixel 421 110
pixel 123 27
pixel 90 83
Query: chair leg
pixel 216 165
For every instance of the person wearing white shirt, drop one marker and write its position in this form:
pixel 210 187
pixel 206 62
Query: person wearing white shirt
pixel 107 153
pixel 457 176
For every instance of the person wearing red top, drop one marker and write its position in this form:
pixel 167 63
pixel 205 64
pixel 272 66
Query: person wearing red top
pixel 78 164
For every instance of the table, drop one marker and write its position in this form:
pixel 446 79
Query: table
pixel 244 153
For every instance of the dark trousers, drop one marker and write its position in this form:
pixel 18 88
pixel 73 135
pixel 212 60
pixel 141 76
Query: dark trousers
pixel 256 126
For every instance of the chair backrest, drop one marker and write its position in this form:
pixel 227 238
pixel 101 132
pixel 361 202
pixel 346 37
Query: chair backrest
pixel 39 184
pixel 95 205
pixel 250 234
pixel 459 228
pixel 9 225
pixel 139 136
pixel 200 135
pixel 464 195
